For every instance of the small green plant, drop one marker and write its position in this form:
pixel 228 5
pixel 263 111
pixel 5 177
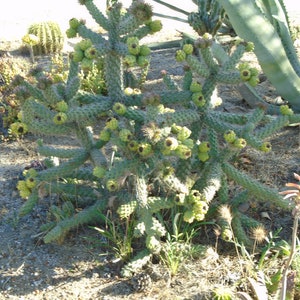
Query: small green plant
pixel 118 236
pixel 48 39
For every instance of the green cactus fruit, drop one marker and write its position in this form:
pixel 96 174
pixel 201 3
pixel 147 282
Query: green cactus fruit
pixel 170 143
pixel 125 135
pixel 99 172
pixel 18 128
pixel 77 56
pixel 203 156
pixel 129 60
pixel 194 196
pixel 105 135
pixel 188 216
pixel 180 56
pixel 133 45
pixel 222 293
pixel 195 87
pixel 125 210
pixel 204 146
pixel 112 185
pixel 245 74
pixel 155 26
pixel 112 124
pixel 50 37
pixel 61 106
pixel 60 118
pixel 286 110
pixel 119 108
pixel 183 151
pixel 143 61
pixel 266 147
pixel 230 136
pixel 71 33
pixel 86 64
pixel 198 99
pixel 23 189
pixel 253 81
pixel 132 145
pixel 144 149
pixel 188 49
pixel 91 53
pixel 144 50
pixel 240 143
pixel 30 182
pixel 141 10
pixel 184 133
pixel 85 44
pixel 74 23
pixel 175 128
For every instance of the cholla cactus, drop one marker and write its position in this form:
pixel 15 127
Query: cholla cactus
pixel 171 148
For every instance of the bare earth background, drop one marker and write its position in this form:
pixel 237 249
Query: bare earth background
pixel 75 270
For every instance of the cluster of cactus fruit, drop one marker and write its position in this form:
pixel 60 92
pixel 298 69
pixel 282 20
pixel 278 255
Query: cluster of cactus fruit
pixel 170 148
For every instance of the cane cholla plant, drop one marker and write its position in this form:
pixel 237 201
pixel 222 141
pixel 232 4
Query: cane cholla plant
pixel 169 148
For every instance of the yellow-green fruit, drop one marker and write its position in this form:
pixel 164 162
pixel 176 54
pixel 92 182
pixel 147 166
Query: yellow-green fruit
pixel 170 143
pixel 144 50
pixel 249 47
pixel 104 135
pixel 266 147
pixel 245 74
pixel 24 191
pixel 112 123
pixel 204 146
pixel 125 135
pixel 183 151
pixel 184 133
pixel 285 110
pixel 222 293
pixel 90 53
pixel 175 128
pixel 30 182
pixel 188 48
pixel 112 185
pixel 74 23
pixel 86 64
pixel 180 55
pixel 155 26
pixel 188 216
pixel 240 143
pixel 143 61
pixel 30 172
pixel 253 81
pixel 18 128
pixel 198 99
pixel 60 118
pixel 85 44
pixel 77 55
pixel 129 60
pixel 61 106
pixel 227 234
pixel 71 33
pixel 203 156
pixel 119 108
pixel 144 149
pixel 133 146
pixel 230 136
pixel 133 45
pixel 195 87
pixel 125 210
pixel 194 196
pixel 99 172
pixel 128 91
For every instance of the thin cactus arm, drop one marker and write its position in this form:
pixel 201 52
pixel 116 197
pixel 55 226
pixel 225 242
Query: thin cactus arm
pixel 248 21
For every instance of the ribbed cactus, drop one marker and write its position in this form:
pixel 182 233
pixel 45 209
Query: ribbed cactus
pixel 50 38
pixel 166 149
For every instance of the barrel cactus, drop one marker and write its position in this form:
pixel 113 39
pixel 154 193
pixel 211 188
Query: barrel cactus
pixel 50 37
